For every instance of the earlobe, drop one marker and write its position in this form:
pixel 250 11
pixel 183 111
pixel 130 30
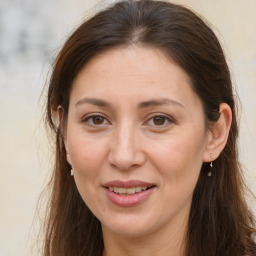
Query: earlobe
pixel 218 134
pixel 69 159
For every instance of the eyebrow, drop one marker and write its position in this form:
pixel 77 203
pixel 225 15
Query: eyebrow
pixel 144 104
pixel 94 101
pixel 159 102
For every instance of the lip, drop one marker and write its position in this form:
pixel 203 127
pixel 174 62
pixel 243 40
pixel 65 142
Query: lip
pixel 128 184
pixel 128 200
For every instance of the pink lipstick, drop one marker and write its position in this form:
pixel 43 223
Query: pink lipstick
pixel 128 193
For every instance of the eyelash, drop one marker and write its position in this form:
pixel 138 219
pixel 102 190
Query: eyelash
pixel 90 117
pixel 167 119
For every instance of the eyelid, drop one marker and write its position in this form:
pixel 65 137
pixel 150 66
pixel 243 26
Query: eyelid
pixel 170 119
pixel 87 117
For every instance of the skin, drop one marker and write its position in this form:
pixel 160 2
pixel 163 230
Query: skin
pixel 127 142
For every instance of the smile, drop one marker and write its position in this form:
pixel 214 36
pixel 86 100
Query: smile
pixel 127 191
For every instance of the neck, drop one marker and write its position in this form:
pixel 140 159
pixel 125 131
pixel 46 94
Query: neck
pixel 167 241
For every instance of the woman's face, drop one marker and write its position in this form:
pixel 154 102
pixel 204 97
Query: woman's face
pixel 136 138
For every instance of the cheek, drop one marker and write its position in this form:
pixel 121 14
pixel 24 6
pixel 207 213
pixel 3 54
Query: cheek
pixel 88 158
pixel 180 157
pixel 86 153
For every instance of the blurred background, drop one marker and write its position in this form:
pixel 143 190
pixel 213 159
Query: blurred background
pixel 31 33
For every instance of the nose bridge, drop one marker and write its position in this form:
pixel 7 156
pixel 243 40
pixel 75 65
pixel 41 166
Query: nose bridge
pixel 125 134
pixel 125 151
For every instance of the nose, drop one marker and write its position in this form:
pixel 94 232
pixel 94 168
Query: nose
pixel 126 149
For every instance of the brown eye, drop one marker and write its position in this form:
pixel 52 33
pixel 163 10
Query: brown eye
pixel 98 120
pixel 159 120
pixel 95 120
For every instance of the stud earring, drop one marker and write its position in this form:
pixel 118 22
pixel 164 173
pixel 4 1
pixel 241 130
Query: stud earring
pixel 211 165
pixel 72 172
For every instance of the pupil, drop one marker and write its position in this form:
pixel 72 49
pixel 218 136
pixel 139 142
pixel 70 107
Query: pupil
pixel 98 120
pixel 159 120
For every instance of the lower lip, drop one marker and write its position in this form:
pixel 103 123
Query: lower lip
pixel 128 200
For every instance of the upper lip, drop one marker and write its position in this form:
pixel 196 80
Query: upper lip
pixel 128 184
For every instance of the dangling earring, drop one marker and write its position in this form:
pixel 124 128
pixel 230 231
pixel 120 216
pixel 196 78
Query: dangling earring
pixel 71 171
pixel 211 165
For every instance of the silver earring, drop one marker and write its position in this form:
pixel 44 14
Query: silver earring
pixel 68 159
pixel 211 165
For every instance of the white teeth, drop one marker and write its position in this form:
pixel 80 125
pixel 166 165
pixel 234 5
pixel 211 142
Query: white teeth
pixel 129 191
pixel 122 190
pixel 138 189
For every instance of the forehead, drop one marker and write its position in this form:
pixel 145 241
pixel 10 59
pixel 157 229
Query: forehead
pixel 134 59
pixel 133 70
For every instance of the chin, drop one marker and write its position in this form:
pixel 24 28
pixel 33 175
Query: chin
pixel 130 227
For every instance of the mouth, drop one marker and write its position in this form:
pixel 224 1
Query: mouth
pixel 129 191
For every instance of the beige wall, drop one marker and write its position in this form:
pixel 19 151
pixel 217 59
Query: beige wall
pixel 30 34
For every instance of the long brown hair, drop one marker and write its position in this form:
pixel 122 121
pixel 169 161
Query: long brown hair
pixel 220 222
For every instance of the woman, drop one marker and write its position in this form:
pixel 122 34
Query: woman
pixel 141 103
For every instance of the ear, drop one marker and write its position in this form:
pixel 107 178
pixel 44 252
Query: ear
pixel 60 113
pixel 218 135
